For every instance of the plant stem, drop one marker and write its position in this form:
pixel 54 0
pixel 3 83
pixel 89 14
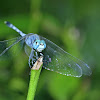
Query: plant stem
pixel 34 80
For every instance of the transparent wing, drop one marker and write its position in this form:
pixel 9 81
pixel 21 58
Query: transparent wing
pixel 27 49
pixel 7 44
pixel 56 59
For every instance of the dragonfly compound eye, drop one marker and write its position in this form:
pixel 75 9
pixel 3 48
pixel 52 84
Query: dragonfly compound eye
pixel 42 44
pixel 37 43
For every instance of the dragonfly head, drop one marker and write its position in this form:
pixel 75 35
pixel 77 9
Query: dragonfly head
pixel 39 45
pixel 42 46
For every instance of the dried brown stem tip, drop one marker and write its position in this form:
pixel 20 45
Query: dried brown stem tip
pixel 38 63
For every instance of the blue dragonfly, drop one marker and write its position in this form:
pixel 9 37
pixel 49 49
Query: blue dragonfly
pixel 54 58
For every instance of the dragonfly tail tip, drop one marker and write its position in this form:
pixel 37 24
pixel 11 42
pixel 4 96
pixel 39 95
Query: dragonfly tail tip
pixel 6 22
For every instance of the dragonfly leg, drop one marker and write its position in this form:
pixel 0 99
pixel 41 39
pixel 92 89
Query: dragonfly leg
pixel 29 61
pixel 36 55
pixel 31 58
pixel 41 54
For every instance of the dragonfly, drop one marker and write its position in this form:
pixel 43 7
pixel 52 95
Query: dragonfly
pixel 54 58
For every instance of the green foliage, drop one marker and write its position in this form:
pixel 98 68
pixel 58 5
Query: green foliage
pixel 71 24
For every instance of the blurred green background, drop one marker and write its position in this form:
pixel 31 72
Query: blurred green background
pixel 74 25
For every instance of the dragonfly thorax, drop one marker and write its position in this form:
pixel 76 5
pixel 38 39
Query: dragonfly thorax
pixel 34 42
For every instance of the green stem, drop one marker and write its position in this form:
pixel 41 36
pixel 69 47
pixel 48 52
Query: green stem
pixel 33 83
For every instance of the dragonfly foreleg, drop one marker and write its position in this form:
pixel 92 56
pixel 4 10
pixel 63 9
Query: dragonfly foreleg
pixel 41 54
pixel 33 61
pixel 31 58
pixel 36 55
pixel 29 62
